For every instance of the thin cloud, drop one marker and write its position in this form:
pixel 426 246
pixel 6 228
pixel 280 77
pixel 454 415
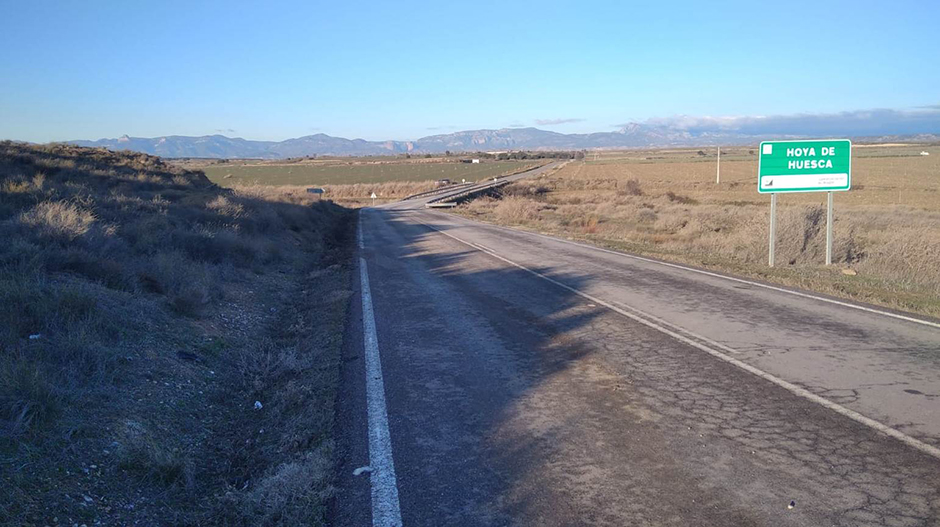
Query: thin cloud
pixel 549 122
pixel 882 121
pixel 444 127
pixel 225 130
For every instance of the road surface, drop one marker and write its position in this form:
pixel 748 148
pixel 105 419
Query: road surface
pixel 516 379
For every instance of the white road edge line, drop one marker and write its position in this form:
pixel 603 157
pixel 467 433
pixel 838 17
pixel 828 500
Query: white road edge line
pixel 677 329
pixel 717 275
pixel 801 392
pixel 386 510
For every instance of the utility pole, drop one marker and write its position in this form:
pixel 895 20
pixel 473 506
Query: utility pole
pixel 718 174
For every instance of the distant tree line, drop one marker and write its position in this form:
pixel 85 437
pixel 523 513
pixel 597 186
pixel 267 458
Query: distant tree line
pixel 548 154
pixel 522 154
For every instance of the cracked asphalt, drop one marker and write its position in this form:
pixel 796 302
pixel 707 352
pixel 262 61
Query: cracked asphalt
pixel 513 401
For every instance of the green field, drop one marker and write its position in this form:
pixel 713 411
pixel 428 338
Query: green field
pixel 347 173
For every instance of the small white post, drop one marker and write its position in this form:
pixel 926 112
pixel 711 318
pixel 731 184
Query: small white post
pixel 373 199
pixel 718 174
pixel 829 229
pixel 773 228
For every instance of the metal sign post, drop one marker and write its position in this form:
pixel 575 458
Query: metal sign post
pixel 373 199
pixel 804 166
pixel 829 228
pixel 773 229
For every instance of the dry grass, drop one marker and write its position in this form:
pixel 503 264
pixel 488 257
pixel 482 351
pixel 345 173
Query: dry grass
pixel 57 219
pixel 140 304
pixel 516 209
pixel 666 204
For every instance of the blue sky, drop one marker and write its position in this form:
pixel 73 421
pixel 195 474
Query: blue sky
pixel 377 70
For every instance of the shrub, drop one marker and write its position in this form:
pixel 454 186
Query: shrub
pixel 646 216
pixel 676 198
pixel 27 398
pixel 109 272
pixel 525 190
pixel 516 210
pixel 30 305
pixel 481 205
pixel 227 207
pixel 188 286
pixel 632 188
pixel 148 459
pixel 287 494
pixel 58 219
pixel 589 224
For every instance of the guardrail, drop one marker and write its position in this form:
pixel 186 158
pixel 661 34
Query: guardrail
pixel 452 199
pixel 437 191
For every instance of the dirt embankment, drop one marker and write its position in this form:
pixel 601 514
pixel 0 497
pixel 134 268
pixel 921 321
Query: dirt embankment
pixel 168 348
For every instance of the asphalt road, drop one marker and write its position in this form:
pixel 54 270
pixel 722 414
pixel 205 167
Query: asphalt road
pixel 531 381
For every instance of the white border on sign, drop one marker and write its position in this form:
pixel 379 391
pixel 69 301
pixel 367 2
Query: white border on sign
pixel 760 155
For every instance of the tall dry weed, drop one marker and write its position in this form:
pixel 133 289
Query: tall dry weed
pixel 515 209
pixel 58 219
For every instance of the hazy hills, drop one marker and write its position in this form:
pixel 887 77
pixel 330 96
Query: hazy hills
pixel 630 136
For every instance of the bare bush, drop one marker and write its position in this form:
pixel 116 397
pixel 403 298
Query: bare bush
pixel 226 206
pixel 632 188
pixel 59 219
pixel 524 189
pixel 516 210
pixel 646 216
pixel 685 200
pixel 589 224
pixel 27 398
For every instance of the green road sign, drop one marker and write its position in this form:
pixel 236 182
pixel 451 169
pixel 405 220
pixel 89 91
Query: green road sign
pixel 805 166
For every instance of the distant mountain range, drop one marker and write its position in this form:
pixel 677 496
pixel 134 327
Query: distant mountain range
pixel 630 136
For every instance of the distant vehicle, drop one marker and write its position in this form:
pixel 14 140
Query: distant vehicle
pixel 474 160
pixel 443 182
pixel 925 153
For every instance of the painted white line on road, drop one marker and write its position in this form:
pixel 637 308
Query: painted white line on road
pixel 797 390
pixel 717 275
pixel 678 329
pixel 386 511
pixel 362 244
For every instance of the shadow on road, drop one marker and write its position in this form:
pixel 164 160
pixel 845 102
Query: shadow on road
pixel 474 386
pixel 514 401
